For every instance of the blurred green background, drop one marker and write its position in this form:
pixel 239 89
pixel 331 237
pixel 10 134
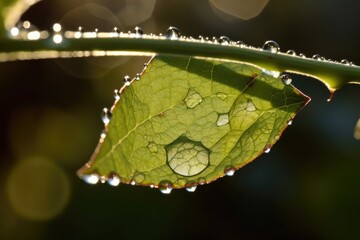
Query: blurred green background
pixel 306 187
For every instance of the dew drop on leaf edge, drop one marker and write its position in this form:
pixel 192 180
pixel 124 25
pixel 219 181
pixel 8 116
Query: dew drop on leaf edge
pixel 286 78
pixel 271 46
pixel 113 180
pixel 106 116
pixel 172 33
pixel 165 186
pixel 191 188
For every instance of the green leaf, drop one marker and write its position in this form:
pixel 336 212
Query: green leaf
pixel 11 11
pixel 189 121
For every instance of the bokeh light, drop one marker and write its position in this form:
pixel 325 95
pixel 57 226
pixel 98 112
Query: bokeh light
pixel 38 189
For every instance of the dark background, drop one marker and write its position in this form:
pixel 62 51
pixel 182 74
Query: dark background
pixel 306 187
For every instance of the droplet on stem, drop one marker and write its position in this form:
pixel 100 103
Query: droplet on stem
pixel 92 178
pixel 165 187
pixel 138 32
pixel 291 52
pixel 271 46
pixel 127 80
pixel 191 188
pixel 113 179
pixel 117 95
pixel 224 40
pixel 172 33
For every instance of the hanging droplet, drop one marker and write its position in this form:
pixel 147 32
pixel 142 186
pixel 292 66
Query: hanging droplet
pixel 117 95
pixel 113 179
pixel 201 181
pixel 316 57
pixel 271 46
pixel 138 32
pixel 127 80
pixel 191 188
pixel 91 178
pixel 291 52
pixel 165 187
pixel 172 33
pixel 286 79
pixel 290 122
pixel 345 62
pixel 222 120
pixel 224 40
pixel 192 99
pixel 229 171
pixel 132 182
pixel 267 150
pixel 186 157
pixel 106 116
pixel 137 77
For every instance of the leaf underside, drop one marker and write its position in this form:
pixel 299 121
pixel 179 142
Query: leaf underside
pixel 189 121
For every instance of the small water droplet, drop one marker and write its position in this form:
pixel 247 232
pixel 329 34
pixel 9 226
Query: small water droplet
pixel 290 122
pixel 229 171
pixel 57 38
pixel 192 99
pixel 113 179
pixel 56 27
pixel 137 77
pixel 103 179
pixel 267 149
pixel 172 33
pixel 91 178
pixel 345 62
pixel 117 95
pixel 291 52
pixel 79 32
pixel 103 135
pixel 26 24
pixel 133 182
pixel 145 65
pixel 186 157
pixel 250 107
pixel 96 31
pixel 222 120
pixel 240 43
pixel 153 147
pixel 221 95
pixel 317 57
pixel 224 40
pixel 139 177
pixel 165 187
pixel 14 31
pixel 116 30
pixel 202 181
pixel 138 32
pixel 127 80
pixel 302 55
pixel 106 116
pixel 191 188
pixel 271 46
pixel 286 78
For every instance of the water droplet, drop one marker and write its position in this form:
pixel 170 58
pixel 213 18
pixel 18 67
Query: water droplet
pixel 317 57
pixel 137 77
pixel 153 147
pixel 145 65
pixel 91 178
pixel 271 46
pixel 139 177
pixel 192 99
pixel 113 179
pixel 250 107
pixel 117 95
pixel 221 95
pixel 224 40
pixel 186 157
pixel 165 187
pixel 345 62
pixel 172 33
pixel 302 55
pixel 133 182
pixel 286 79
pixel 222 120
pixel 191 188
pixel 79 33
pixel 56 27
pixel 106 116
pixel 14 31
pixel 202 181
pixel 138 32
pixel 116 30
pixel 57 38
pixel 102 179
pixel 240 43
pixel 291 52
pixel 229 171
pixel 33 35
pixel 127 80
pixel 267 149
pixel 290 122
pixel 103 135
pixel 273 74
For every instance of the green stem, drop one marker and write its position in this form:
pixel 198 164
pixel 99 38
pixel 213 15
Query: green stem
pixel 333 75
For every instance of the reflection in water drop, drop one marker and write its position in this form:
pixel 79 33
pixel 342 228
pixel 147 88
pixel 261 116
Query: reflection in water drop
pixel 172 33
pixel 113 179
pixel 191 188
pixel 165 187
pixel 222 120
pixel 187 158
pixel 192 99
pixel 229 171
pixel 271 46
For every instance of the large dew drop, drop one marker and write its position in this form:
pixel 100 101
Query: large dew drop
pixel 165 187
pixel 271 46
pixel 172 33
pixel 187 158
pixel 192 99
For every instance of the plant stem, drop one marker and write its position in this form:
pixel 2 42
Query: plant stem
pixel 333 75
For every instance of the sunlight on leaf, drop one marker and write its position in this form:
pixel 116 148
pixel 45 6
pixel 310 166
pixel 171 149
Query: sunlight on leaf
pixel 189 121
